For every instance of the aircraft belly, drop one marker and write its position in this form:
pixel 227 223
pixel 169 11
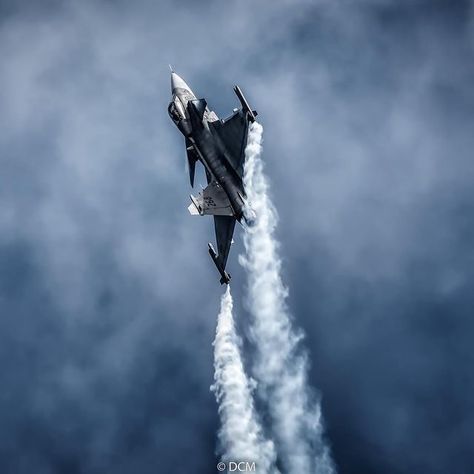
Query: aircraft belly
pixel 214 162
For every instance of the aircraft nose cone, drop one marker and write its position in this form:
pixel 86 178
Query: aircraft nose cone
pixel 177 82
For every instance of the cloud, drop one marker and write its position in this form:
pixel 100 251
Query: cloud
pixel 373 190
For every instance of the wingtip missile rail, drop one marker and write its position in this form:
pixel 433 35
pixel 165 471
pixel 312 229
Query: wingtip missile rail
pixel 252 114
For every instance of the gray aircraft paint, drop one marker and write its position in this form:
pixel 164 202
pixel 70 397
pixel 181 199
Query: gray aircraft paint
pixel 220 146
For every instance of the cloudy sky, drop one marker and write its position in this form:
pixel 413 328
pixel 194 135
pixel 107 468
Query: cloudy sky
pixel 108 297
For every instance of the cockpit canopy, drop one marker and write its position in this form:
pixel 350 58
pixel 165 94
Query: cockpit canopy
pixel 176 110
pixel 173 112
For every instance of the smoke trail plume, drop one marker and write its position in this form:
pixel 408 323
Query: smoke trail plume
pixel 280 366
pixel 240 436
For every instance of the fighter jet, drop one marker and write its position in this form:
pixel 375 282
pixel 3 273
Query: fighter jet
pixel 220 146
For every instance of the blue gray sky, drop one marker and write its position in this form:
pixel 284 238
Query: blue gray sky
pixel 108 298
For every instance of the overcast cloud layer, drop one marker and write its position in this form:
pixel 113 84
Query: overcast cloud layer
pixel 106 286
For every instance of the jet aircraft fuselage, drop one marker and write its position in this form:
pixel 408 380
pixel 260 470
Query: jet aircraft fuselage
pixel 220 146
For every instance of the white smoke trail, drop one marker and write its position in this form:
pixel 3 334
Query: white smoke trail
pixel 280 366
pixel 240 436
